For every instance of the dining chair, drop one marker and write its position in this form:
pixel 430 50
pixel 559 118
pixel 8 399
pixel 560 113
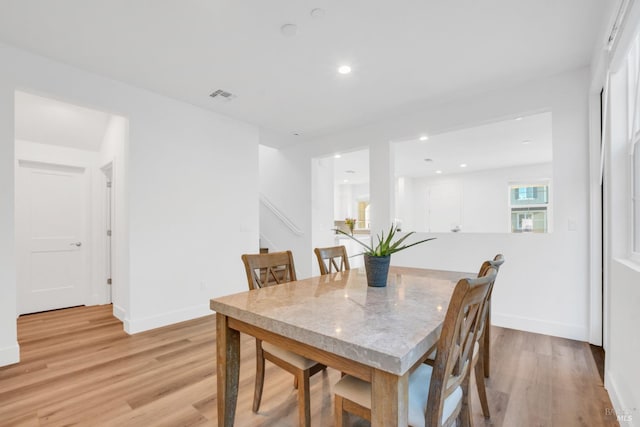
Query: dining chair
pixel 481 368
pixel 269 269
pixel 482 347
pixel 497 261
pixel 438 394
pixel 332 258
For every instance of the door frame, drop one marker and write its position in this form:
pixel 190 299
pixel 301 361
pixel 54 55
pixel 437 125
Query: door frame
pixel 107 222
pixel 597 235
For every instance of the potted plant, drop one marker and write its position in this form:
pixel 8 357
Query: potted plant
pixel 351 223
pixel 377 258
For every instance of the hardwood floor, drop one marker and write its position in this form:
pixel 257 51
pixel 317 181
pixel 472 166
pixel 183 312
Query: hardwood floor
pixel 79 367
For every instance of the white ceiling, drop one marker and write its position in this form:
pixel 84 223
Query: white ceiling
pixel 48 121
pixel 403 53
pixel 489 146
pixel 512 142
pixel 351 168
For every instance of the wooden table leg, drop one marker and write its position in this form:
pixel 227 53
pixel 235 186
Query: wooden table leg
pixel 228 370
pixel 389 399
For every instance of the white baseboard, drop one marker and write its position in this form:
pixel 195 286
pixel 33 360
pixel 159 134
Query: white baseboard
pixel 10 355
pixel 627 416
pixel 119 313
pixel 556 329
pixel 134 326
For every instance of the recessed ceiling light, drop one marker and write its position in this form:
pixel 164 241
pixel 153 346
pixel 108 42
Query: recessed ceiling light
pixel 289 30
pixel 424 138
pixel 526 141
pixel 337 156
pixel 349 171
pixel 317 13
pixel 344 69
pixel 345 181
pixel 519 118
pixel 463 165
pixel 428 160
pixel 438 172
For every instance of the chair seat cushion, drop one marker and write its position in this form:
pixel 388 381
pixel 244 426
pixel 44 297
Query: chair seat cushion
pixel 419 383
pixel 359 391
pixel 288 356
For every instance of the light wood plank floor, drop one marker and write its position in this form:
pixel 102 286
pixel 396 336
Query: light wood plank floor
pixel 79 368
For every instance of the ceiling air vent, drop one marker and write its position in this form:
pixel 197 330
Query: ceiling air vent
pixel 222 95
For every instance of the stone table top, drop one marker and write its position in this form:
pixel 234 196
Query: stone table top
pixel 387 328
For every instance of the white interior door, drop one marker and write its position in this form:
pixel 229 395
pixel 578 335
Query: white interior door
pixel 51 221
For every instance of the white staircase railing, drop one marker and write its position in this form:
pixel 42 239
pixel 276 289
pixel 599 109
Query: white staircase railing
pixel 281 216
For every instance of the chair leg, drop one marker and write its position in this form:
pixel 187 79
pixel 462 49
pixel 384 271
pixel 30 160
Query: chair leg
pixel 482 390
pixel 339 412
pixel 465 411
pixel 486 343
pixel 257 393
pixel 304 404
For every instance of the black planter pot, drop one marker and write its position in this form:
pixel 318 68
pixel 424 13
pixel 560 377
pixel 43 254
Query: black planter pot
pixel 377 268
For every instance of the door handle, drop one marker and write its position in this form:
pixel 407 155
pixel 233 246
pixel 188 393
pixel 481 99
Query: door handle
pixel 77 244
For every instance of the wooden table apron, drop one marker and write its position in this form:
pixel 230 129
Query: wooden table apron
pixel 389 398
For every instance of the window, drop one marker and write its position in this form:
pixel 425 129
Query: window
pixel 363 215
pixel 528 205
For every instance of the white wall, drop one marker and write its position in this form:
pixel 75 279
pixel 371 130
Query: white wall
pixel 285 179
pixel 192 193
pixel 9 350
pixel 481 199
pixel 193 211
pixel 322 201
pixel 543 286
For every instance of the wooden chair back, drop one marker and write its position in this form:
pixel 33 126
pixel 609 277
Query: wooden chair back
pixel 332 259
pixel 497 261
pixel 269 269
pixel 456 344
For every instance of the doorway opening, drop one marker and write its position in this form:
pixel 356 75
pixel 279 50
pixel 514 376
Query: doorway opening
pixel 69 182
pixel 340 200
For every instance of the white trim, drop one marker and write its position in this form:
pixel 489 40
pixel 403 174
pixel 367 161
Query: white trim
pixel 281 216
pixel 119 313
pixel 134 326
pixel 539 326
pixel 635 266
pixel 596 232
pixel 619 405
pixel 10 355
pixel 605 122
pixel 634 202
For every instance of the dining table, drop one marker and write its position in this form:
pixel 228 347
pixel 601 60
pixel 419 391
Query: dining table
pixel 377 334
